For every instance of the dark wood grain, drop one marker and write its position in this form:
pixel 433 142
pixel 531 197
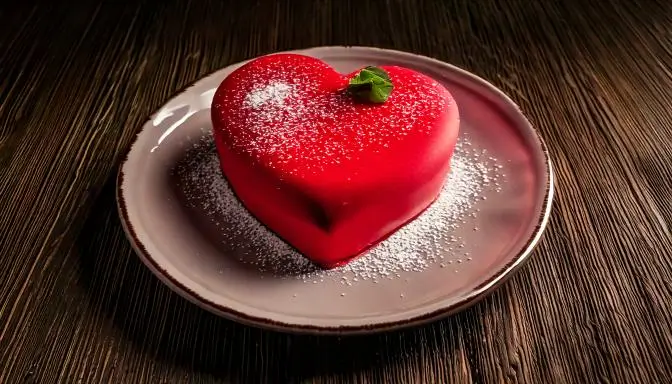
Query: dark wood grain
pixel 593 305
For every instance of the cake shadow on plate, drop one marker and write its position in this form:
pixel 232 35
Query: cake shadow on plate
pixel 220 217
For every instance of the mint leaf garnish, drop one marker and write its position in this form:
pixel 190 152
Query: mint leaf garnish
pixel 371 84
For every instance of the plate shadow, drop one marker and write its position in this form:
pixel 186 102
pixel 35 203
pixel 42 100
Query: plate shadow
pixel 159 322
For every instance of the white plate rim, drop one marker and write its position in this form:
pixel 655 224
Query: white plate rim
pixel 442 309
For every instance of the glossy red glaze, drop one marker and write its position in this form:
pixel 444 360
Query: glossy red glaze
pixel 330 175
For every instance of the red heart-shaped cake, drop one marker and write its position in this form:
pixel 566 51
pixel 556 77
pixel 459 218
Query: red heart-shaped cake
pixel 332 163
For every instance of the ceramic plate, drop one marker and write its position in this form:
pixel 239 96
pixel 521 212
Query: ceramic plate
pixel 189 229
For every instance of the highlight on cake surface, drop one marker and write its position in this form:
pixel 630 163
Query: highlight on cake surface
pixel 333 163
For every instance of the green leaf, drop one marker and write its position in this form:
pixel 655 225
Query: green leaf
pixel 371 84
pixel 378 72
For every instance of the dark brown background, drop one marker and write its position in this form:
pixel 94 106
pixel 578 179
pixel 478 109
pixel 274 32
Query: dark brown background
pixel 593 305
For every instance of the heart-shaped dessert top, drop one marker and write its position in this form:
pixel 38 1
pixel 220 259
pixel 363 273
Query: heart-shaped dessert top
pixel 328 170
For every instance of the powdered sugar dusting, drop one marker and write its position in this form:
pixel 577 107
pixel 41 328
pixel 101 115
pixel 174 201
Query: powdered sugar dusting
pixel 272 94
pixel 293 114
pixel 428 240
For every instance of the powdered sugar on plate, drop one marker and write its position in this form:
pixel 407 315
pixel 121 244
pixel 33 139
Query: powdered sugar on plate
pixel 427 241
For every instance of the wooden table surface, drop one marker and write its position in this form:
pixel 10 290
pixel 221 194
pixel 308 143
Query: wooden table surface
pixel 593 305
